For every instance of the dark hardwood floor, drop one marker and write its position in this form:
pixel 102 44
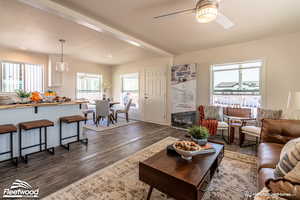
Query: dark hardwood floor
pixel 51 173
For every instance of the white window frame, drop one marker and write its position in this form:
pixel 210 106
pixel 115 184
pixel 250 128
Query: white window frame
pixel 261 78
pixel 138 91
pixel 101 82
pixel 22 63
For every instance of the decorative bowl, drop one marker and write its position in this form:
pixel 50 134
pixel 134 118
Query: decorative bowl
pixel 186 155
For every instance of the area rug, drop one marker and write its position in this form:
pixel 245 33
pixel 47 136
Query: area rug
pixel 237 177
pixel 103 125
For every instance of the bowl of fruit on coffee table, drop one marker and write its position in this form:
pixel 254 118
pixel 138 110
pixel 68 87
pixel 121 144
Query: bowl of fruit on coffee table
pixel 187 149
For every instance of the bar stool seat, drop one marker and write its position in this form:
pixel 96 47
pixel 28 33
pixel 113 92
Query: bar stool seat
pixel 37 124
pixel 9 129
pixel 72 119
pixel 69 120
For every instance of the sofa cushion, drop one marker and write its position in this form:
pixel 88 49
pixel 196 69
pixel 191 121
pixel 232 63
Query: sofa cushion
pixel 268 155
pixel 264 174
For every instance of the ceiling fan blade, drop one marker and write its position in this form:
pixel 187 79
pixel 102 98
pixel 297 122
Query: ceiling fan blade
pixel 186 11
pixel 224 21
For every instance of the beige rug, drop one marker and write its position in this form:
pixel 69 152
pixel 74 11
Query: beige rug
pixel 103 125
pixel 119 181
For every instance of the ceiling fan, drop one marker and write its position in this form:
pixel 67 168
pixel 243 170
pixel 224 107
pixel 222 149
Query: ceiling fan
pixel 206 11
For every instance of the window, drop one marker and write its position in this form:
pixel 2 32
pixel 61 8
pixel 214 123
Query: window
pixel 237 84
pixel 130 89
pixel 15 76
pixel 89 86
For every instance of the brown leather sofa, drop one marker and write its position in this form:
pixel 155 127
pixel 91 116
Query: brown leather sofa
pixel 275 133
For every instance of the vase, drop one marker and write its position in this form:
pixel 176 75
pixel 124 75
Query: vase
pixel 24 100
pixel 201 142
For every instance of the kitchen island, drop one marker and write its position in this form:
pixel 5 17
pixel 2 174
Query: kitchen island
pixel 17 113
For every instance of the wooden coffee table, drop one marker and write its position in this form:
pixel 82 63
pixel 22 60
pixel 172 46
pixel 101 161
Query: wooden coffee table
pixel 178 178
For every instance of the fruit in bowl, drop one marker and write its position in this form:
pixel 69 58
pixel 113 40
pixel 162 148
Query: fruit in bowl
pixel 187 149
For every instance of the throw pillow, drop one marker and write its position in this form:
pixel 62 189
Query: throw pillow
pixel 213 112
pixel 267 114
pixel 289 146
pixel 284 188
pixel 294 174
pixel 288 162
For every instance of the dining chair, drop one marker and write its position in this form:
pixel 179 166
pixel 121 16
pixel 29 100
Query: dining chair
pixel 103 111
pixel 86 110
pixel 125 111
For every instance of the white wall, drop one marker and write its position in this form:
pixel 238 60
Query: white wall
pixel 138 67
pixel 69 87
pixel 281 69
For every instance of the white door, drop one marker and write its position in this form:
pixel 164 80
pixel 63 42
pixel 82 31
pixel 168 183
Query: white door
pixel 155 105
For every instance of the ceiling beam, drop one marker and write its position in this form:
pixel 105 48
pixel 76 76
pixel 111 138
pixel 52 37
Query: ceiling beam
pixel 91 23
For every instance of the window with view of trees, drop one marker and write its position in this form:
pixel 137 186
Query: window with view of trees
pixel 237 84
pixel 89 86
pixel 21 76
pixel 130 89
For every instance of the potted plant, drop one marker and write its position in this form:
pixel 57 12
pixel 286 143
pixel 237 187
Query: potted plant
pixel 23 95
pixel 199 134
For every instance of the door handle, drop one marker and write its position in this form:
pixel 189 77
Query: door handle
pixel 146 97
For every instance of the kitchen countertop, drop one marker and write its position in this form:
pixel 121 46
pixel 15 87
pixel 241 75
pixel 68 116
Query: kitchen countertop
pixel 16 106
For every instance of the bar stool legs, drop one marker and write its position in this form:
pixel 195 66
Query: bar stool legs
pixel 39 124
pixel 9 129
pixel 11 151
pixel 69 120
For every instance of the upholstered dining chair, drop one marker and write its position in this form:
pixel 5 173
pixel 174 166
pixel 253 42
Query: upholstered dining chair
pixel 125 111
pixel 86 110
pixel 103 111
pixel 253 127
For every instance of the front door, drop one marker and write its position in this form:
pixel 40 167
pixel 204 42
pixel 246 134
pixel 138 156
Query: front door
pixel 155 90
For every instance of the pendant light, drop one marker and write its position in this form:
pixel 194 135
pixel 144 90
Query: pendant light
pixel 62 66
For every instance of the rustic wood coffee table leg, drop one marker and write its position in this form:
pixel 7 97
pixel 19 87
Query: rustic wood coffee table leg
pixel 149 192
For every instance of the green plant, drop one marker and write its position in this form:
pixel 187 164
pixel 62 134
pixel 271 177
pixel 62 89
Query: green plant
pixel 23 94
pixel 199 132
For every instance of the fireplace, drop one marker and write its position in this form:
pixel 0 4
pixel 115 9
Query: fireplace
pixel 184 119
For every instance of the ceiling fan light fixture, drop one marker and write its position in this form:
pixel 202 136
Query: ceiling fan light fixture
pixel 206 13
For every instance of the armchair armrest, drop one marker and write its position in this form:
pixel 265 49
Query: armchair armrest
pixel 279 131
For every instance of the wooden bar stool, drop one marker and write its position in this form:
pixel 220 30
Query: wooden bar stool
pixel 69 120
pixel 9 129
pixel 38 124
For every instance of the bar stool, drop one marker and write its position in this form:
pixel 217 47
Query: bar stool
pixel 9 129
pixel 38 124
pixel 69 120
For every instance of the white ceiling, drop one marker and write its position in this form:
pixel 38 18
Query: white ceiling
pixel 23 26
pixel 35 30
pixel 253 19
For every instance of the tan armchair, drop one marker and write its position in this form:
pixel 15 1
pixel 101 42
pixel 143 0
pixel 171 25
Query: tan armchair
pixel 253 128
